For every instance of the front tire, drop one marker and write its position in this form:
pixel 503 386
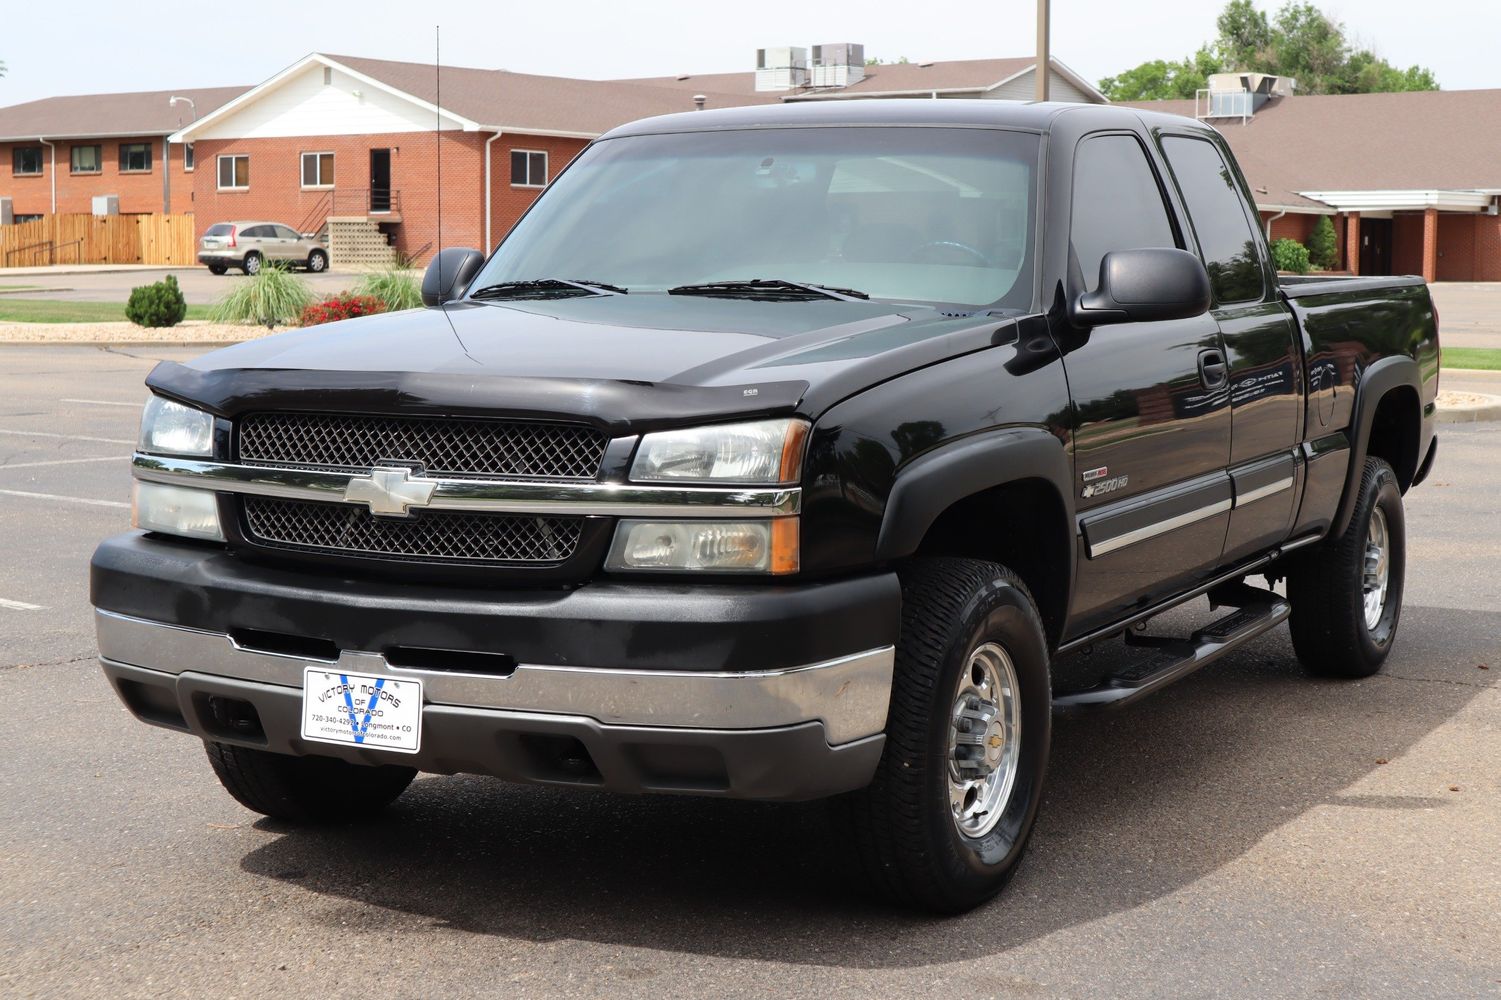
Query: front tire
pixel 1346 594
pixel 305 789
pixel 946 820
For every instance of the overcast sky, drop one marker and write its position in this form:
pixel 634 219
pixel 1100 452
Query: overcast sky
pixel 96 46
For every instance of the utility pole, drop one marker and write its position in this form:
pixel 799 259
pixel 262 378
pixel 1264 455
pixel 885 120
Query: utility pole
pixel 1044 62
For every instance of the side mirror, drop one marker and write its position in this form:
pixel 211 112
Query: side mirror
pixel 448 274
pixel 1144 286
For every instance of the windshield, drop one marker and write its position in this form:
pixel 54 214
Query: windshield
pixel 933 215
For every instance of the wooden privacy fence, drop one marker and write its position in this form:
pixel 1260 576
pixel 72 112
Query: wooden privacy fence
pixel 99 239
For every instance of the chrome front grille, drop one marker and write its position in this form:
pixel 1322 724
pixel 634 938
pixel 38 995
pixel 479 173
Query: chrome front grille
pixel 447 447
pixel 431 536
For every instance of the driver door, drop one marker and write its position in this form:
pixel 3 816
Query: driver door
pixel 1151 405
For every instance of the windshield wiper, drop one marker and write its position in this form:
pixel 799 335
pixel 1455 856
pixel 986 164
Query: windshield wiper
pixel 769 288
pixel 546 288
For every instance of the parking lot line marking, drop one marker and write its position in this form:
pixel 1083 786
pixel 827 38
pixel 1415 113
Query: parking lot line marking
pixel 69 437
pixel 102 402
pixel 63 461
pixel 54 496
pixel 20 605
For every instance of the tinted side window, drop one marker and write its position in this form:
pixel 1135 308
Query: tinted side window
pixel 1117 203
pixel 256 232
pixel 286 233
pixel 1218 215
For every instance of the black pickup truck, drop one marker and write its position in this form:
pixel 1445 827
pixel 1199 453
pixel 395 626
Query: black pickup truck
pixel 780 453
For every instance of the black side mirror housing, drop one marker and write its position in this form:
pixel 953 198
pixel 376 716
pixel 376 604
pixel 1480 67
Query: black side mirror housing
pixel 449 273
pixel 1144 286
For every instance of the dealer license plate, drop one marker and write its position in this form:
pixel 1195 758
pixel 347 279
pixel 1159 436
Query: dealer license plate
pixel 360 710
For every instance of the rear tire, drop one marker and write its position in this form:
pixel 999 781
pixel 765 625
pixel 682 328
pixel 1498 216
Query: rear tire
pixel 922 838
pixel 1346 594
pixel 317 261
pixel 306 789
pixel 217 269
pixel 251 263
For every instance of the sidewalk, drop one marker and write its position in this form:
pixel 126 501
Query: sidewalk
pixel 57 270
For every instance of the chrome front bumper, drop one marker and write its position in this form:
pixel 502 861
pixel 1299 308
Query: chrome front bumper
pixel 798 733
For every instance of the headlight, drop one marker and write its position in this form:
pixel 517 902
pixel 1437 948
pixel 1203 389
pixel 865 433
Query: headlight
pixel 762 451
pixel 706 546
pixel 176 510
pixel 170 428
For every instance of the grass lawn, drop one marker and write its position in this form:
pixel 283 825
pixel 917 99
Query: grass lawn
pixel 53 311
pixel 1488 358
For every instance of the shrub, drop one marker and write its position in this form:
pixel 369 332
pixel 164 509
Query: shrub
pixel 160 304
pixel 397 287
pixel 345 305
pixel 1323 245
pixel 1290 255
pixel 273 296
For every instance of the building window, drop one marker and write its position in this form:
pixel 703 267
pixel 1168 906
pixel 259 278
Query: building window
pixel 328 75
pixel 187 158
pixel 26 161
pixel 27 218
pixel 135 157
pixel 234 172
pixel 317 170
pixel 85 159
pixel 528 168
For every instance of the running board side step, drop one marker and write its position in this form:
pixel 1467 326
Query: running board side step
pixel 1258 612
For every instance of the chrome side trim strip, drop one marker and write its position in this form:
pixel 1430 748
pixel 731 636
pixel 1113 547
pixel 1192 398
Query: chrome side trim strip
pixel 485 496
pixel 1262 492
pixel 1159 528
pixel 850 694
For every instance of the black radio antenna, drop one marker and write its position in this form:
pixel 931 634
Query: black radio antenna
pixel 438 125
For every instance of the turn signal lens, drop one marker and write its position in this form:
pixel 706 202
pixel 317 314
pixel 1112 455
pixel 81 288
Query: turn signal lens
pixel 705 546
pixel 176 510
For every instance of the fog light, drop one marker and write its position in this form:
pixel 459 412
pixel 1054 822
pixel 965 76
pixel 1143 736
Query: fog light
pixel 176 510
pixel 706 546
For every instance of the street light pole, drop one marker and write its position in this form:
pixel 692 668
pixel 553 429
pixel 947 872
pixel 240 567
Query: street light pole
pixel 1044 60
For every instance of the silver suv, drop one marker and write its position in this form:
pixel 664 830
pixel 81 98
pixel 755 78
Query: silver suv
pixel 248 245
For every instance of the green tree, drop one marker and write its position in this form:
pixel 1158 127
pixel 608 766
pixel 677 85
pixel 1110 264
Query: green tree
pixel 1323 245
pixel 1301 41
pixel 1160 80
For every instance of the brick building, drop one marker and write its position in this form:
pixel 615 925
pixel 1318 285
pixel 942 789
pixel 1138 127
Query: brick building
pixel 59 153
pixel 357 141
pixel 1411 181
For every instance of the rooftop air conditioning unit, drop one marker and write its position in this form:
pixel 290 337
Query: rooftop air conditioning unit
pixel 106 204
pixel 838 65
pixel 782 68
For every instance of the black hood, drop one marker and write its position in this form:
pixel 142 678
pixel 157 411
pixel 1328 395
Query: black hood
pixel 619 360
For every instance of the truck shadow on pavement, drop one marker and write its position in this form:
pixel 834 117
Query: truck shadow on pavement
pixel 1141 804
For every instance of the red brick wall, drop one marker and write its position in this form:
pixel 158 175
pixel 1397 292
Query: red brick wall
pixel 1407 243
pixel 1292 227
pixel 507 203
pixel 276 193
pixel 1469 247
pixel 139 192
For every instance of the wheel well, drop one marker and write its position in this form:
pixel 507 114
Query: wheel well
pixel 1023 526
pixel 1394 433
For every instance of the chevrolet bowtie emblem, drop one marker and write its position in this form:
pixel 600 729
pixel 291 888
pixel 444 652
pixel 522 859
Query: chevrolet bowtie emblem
pixel 390 491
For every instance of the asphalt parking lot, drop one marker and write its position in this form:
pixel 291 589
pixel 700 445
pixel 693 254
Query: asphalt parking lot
pixel 199 287
pixel 1249 832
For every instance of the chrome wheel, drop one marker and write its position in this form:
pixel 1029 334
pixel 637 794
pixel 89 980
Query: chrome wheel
pixel 984 741
pixel 1376 570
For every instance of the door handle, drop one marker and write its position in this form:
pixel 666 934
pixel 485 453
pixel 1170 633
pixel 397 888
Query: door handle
pixel 1213 371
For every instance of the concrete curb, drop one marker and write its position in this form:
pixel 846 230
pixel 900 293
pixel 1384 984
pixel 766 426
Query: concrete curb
pixel 1488 410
